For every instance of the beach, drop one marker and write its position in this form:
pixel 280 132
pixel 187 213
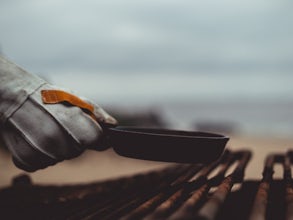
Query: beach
pixel 97 166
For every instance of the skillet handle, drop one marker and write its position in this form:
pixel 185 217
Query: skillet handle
pixel 104 141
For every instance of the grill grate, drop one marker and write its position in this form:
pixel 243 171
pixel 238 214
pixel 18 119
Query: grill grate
pixel 177 192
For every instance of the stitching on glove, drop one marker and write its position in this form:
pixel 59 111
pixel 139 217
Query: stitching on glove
pixel 58 96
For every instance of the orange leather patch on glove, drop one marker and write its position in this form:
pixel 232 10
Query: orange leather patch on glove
pixel 58 96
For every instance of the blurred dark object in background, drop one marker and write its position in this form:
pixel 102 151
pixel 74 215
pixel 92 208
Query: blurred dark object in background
pixel 145 118
pixel 226 127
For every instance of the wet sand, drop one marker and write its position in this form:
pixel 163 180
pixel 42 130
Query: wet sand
pixel 93 166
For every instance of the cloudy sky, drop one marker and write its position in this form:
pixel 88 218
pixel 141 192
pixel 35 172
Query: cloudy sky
pixel 147 35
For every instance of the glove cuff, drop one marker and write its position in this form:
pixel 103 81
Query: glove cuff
pixel 15 86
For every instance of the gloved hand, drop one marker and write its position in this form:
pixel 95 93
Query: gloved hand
pixel 39 134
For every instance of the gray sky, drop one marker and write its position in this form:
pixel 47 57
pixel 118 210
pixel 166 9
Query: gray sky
pixel 147 35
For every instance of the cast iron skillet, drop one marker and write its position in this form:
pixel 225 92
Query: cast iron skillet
pixel 166 145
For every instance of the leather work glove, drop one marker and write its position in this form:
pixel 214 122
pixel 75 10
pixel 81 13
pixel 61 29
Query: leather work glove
pixel 42 125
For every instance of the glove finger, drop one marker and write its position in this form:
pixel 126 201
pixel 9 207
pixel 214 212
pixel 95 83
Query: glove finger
pixel 24 155
pixel 101 115
pixel 43 132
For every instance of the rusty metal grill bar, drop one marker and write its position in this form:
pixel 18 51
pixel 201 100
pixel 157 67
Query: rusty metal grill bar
pixel 260 208
pixel 289 186
pixel 176 192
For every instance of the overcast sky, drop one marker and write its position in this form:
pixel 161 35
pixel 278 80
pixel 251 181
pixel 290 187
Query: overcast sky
pixel 147 35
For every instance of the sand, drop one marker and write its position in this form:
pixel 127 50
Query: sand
pixel 94 166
